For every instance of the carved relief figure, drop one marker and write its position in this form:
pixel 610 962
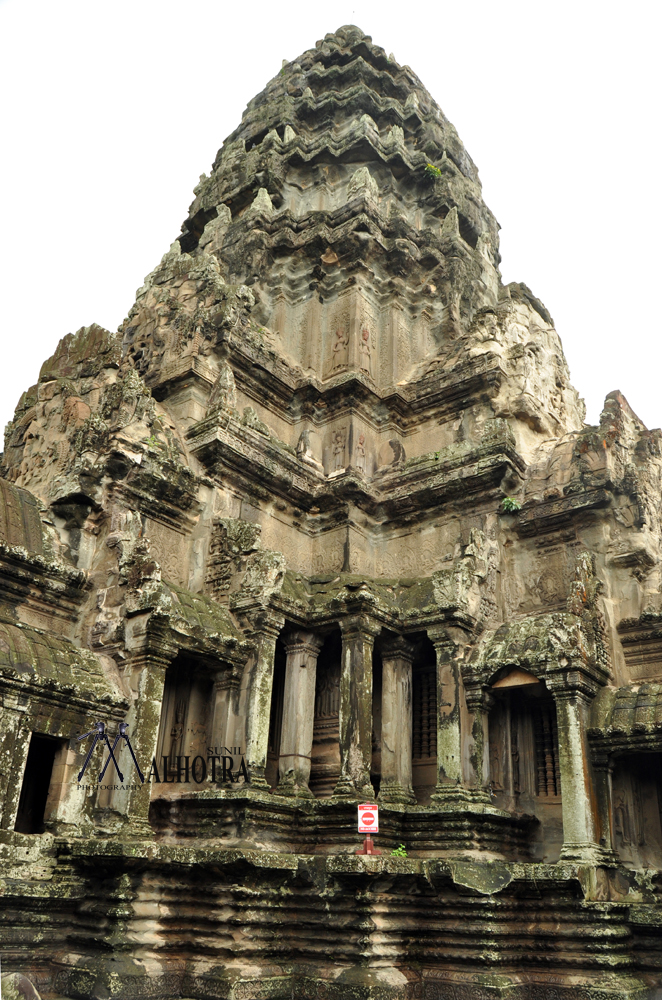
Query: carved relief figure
pixel 339 450
pixel 359 459
pixel 622 819
pixel 327 695
pixel 232 542
pixel 398 451
pixel 514 754
pixel 531 383
pixel 365 360
pixel 340 346
pixel 224 392
pixel 486 328
pixel 305 450
pixel 177 733
pixel 496 773
pixel 303 444
pixel 638 811
pixel 488 577
pixel 330 559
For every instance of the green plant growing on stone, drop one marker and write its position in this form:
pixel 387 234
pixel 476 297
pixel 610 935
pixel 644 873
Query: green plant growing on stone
pixel 431 172
pixel 399 852
pixel 509 505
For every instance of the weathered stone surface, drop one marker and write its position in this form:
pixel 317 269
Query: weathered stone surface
pixel 322 522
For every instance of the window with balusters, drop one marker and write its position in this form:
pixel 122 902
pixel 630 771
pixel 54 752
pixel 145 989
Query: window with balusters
pixel 424 732
pixel 524 745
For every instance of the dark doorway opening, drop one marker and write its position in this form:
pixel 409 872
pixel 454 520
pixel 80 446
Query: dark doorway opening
pixel 325 755
pixel 186 715
pixel 424 728
pixel 376 759
pixel 525 773
pixel 36 783
pixel 637 809
pixel 276 717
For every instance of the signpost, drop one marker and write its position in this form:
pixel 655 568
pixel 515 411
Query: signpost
pixel 368 816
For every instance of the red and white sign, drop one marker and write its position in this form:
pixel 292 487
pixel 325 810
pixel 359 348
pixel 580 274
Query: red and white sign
pixel 368 818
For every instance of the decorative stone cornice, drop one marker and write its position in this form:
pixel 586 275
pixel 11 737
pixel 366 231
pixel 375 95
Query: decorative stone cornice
pixel 478 697
pixel 228 447
pixel 359 626
pixel 262 622
pixel 306 642
pixel 398 648
pixel 554 515
pixel 571 684
pixel 448 637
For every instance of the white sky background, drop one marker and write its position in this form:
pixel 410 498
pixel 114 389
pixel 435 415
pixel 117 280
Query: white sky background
pixel 112 110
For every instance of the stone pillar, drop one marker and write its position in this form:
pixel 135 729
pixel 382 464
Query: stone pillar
pixel 603 769
pixel 479 703
pixel 296 741
pixel 358 637
pixel 397 721
pixel 449 746
pixel 14 747
pixel 580 840
pixel 148 665
pixel 151 653
pixel 261 677
pixel 225 695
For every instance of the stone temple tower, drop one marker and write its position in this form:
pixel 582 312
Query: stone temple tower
pixel 323 524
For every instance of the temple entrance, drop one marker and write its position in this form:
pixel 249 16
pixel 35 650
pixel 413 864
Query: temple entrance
pixel 276 716
pixel 325 755
pixel 376 758
pixel 636 809
pixel 33 803
pixel 424 730
pixel 524 757
pixel 186 718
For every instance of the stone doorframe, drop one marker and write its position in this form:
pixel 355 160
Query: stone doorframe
pixel 152 648
pixel 562 652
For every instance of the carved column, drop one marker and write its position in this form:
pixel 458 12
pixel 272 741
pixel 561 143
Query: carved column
pixel 296 741
pixel 449 745
pixel 603 769
pixel 148 668
pixel 225 695
pixel 479 702
pixel 580 839
pixel 358 637
pixel 260 683
pixel 16 734
pixel 397 721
